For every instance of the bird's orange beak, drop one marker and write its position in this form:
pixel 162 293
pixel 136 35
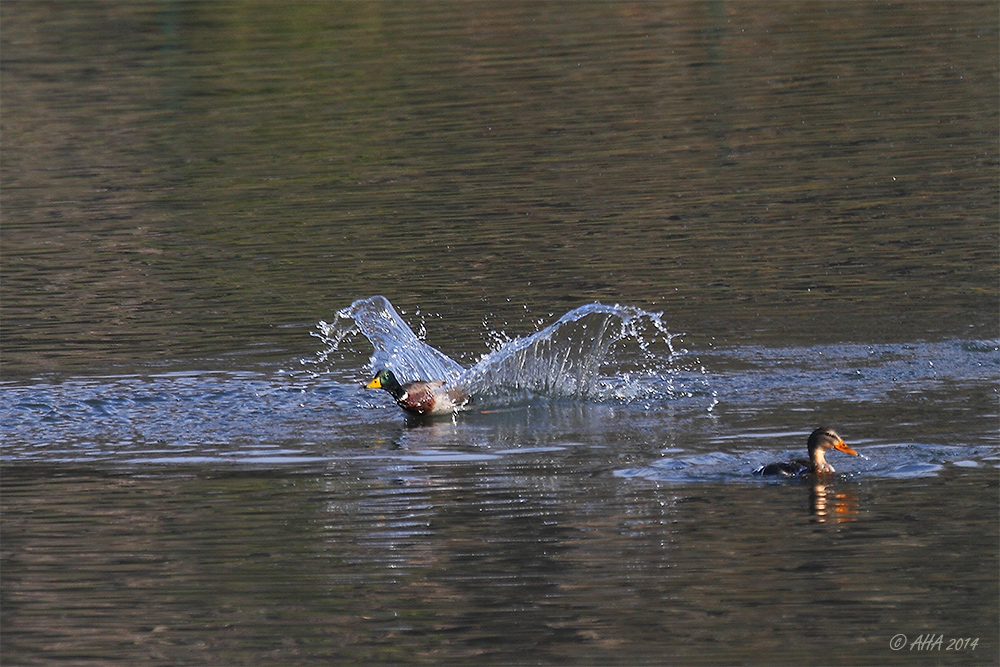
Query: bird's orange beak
pixel 842 446
pixel 376 383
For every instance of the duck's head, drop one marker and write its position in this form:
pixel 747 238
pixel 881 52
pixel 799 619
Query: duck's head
pixel 824 439
pixel 384 379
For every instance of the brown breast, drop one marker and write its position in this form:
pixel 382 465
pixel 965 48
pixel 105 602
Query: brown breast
pixel 421 397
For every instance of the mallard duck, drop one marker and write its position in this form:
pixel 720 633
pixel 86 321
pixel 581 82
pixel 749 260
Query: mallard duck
pixel 421 397
pixel 820 442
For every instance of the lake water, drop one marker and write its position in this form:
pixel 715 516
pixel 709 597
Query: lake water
pixel 788 214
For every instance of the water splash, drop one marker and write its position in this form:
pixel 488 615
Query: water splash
pixel 396 346
pixel 595 352
pixel 580 356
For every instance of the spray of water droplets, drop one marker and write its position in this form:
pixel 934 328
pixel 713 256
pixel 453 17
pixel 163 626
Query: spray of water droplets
pixel 596 352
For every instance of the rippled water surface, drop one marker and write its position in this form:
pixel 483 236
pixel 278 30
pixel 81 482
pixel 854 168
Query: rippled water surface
pixel 655 245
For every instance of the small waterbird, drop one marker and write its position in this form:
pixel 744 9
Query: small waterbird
pixel 821 441
pixel 419 398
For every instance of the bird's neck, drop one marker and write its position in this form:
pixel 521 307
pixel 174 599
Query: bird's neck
pixel 819 462
pixel 395 389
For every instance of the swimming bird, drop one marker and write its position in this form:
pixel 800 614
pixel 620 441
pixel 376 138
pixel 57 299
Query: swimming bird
pixel 820 442
pixel 421 397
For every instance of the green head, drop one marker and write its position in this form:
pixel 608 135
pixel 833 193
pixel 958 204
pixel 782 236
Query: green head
pixel 384 379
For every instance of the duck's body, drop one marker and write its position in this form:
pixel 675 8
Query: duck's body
pixel 421 397
pixel 820 442
pixel 793 468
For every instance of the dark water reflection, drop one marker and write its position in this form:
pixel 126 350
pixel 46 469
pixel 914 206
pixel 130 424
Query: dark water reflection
pixel 485 562
pixel 183 179
pixel 807 190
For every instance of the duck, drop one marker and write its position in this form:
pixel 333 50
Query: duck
pixel 820 442
pixel 421 397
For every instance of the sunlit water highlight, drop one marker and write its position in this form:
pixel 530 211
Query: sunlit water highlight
pixel 595 369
